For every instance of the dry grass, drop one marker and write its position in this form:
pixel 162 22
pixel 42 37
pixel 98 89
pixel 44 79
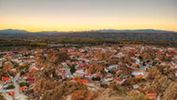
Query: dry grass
pixel 83 95
pixel 62 90
pixel 1 97
pixel 171 92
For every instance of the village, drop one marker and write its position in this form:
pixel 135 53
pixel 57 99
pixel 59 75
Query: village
pixel 103 72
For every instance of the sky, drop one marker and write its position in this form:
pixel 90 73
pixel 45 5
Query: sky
pixel 81 15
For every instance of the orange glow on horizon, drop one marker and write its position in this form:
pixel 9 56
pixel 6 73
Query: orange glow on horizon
pixel 83 15
pixel 66 28
pixel 85 24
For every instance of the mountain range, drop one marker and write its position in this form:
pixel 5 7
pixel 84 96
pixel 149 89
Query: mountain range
pixel 132 35
pixel 16 31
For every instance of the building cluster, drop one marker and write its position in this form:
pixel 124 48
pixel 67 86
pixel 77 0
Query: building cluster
pixel 89 73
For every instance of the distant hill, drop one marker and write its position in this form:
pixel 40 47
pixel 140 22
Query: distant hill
pixel 137 31
pixel 16 31
pixel 133 35
pixel 13 31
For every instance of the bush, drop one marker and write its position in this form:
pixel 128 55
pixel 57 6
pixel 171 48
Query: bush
pixel 24 84
pixel 10 87
pixel 57 57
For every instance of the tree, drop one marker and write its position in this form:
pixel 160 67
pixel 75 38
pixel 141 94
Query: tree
pixel 57 57
pixel 72 69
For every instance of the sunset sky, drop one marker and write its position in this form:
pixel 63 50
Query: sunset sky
pixel 80 15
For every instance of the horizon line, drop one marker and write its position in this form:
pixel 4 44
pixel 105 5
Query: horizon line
pixel 89 30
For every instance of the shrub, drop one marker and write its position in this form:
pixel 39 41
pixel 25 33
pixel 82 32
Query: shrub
pixel 24 84
pixel 10 87
pixel 57 57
